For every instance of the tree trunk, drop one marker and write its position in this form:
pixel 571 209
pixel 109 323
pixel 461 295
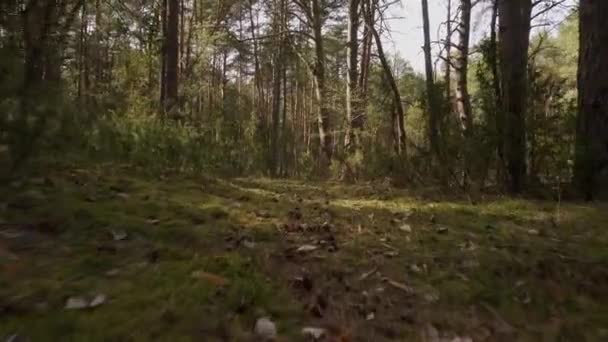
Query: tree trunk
pixel 514 39
pixel 448 57
pixel 499 115
pixel 400 143
pixel 277 67
pixel 163 59
pixel 172 55
pixel 323 118
pixel 432 100
pixel 462 68
pixel 352 100
pixel 590 172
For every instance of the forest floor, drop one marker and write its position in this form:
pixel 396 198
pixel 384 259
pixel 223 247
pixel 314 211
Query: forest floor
pixel 105 253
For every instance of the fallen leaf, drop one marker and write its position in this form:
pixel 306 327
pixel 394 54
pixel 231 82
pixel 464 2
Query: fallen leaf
pixel 314 333
pixel 442 229
pixel 306 248
pixel 431 297
pixel 415 269
pixel 113 272
pixel 16 338
pixel 248 244
pixel 265 329
pixel 123 195
pixel 119 235
pixel 76 303
pixel 368 274
pixel 98 300
pixel 401 286
pixel 406 228
pixel 211 278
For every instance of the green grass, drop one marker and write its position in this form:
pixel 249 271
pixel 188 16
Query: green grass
pixel 525 264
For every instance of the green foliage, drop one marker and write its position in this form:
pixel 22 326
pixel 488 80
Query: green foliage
pixel 161 145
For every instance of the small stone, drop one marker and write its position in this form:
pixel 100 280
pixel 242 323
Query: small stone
pixel 76 303
pixel 119 235
pixel 265 329
pixel 533 232
pixel 370 316
pixel 406 228
pixel 315 333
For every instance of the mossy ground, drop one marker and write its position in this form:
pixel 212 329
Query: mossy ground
pixel 388 265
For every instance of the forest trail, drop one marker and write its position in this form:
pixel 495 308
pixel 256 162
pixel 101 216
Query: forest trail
pixel 107 253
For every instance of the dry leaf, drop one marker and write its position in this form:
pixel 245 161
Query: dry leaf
pixel 314 333
pixel 211 278
pixel 401 286
pixel 306 248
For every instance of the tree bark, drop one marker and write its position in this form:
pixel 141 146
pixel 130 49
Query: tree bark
pixel 323 118
pixel 172 56
pixel 352 96
pixel 277 72
pixel 400 143
pixel 590 172
pixel 499 115
pixel 463 100
pixel 448 57
pixel 514 36
pixel 432 101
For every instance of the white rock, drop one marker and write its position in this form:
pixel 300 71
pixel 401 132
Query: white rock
pixel 76 303
pixel 406 228
pixel 265 329
pixel 314 333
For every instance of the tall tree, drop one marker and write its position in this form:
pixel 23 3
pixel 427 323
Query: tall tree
pixel 169 92
pixel 352 96
pixel 592 121
pixel 432 100
pixel 493 63
pixel 399 121
pixel 315 16
pixel 448 54
pixel 514 37
pixel 277 75
pixel 462 68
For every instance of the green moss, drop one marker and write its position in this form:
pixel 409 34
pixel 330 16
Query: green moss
pixel 487 256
